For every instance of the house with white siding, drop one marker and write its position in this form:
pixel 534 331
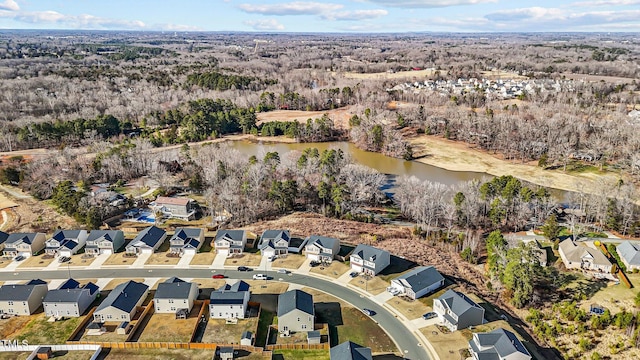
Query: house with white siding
pixel 229 242
pixel 25 244
pixel 70 299
pixel 369 260
pixel 147 241
pixel 104 242
pixel 417 282
pixel 22 299
pixel 230 301
pixel 322 248
pixel 122 302
pixel 66 242
pixel 186 241
pixel 174 295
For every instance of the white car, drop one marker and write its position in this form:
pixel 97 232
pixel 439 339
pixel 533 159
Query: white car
pixel 283 271
pixel 259 277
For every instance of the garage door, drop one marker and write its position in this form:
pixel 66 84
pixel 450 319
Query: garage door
pixel 109 252
pixel 313 257
pixel 190 252
pixel 147 251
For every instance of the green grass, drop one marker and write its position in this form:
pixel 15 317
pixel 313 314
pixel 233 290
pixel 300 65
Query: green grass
pixel 266 318
pixel 301 354
pixel 40 331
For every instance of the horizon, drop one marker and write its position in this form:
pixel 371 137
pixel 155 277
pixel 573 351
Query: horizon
pixel 336 17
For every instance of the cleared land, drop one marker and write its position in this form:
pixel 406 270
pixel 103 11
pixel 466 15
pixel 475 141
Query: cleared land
pixel 165 327
pixel 291 261
pixel 39 331
pixel 120 259
pixel 159 354
pixel 245 259
pixel 413 74
pixel 334 270
pixel 339 116
pixel 218 332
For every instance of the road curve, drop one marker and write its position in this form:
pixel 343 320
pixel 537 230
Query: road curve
pixel 407 341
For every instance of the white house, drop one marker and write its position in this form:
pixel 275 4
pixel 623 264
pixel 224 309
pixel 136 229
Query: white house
pixel 457 311
pixel 22 299
pixel 230 301
pixel 122 302
pixel 186 241
pixel 576 256
pixel 66 242
pixel 499 344
pixel 174 295
pixel 70 299
pixel 274 243
pixel 369 260
pixel 147 241
pixel 295 311
pixel 417 282
pixel 322 248
pixel 104 242
pixel 230 242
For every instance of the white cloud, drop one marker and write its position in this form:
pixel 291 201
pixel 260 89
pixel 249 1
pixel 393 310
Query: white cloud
pixel 354 15
pixel 428 3
pixel 264 25
pixel 292 8
pixel 606 3
pixel 10 5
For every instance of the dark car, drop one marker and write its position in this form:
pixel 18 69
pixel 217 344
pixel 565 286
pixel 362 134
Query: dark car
pixel 243 268
pixel 314 263
pixel 354 274
pixel 19 258
pixel 64 259
pixel 429 315
pixel 218 276
pixel 368 312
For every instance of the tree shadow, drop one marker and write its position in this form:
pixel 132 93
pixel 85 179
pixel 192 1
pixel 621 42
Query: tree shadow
pixel 397 265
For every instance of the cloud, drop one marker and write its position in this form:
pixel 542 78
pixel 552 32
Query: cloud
pixel 10 5
pixel 292 8
pixel 606 3
pixel 354 15
pixel 428 3
pixel 525 13
pixel 265 25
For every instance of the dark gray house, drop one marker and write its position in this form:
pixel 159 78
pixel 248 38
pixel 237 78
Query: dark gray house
pixel 499 344
pixel 147 241
pixel 3 237
pixel 70 299
pixel 295 311
pixel 322 248
pixel 417 282
pixel 457 311
pixel 122 302
pixel 349 350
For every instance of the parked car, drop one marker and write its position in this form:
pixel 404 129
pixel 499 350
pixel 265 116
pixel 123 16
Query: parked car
pixel 354 274
pixel 243 268
pixel 283 271
pixel 19 258
pixel 314 263
pixel 429 315
pixel 218 276
pixel 64 259
pixel 259 277
pixel 368 312
pixel 271 258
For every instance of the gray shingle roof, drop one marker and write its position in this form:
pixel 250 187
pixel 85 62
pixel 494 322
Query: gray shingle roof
pixel 185 233
pixel 295 299
pixel 124 296
pixel 230 294
pixel 367 252
pixel 421 277
pixel 174 290
pixel 350 351
pixel 60 235
pixel 499 344
pixel 3 237
pixel 69 284
pixel 574 253
pixel 234 235
pixel 149 236
pixel 108 235
pixel 17 292
pixel 270 237
pixel 323 241
pixel 630 252
pixel 458 302
pixel 70 295
pixel 27 238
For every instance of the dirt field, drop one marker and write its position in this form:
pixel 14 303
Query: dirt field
pixel 165 327
pixel 598 78
pixel 417 74
pixel 458 156
pixel 6 203
pixel 339 116
pixel 245 259
pixel 218 331
pixel 31 215
pixel 120 259
pixel 501 75
pixel 334 270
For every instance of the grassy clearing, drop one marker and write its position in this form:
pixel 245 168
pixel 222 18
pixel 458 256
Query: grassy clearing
pixel 36 261
pixel 40 331
pixel 611 296
pixel 120 259
pixel 245 259
pixel 374 285
pixel 334 270
pixel 165 327
pixel 158 354
pixel 291 261
pixel 218 332
pixel 411 309
pixel 161 258
pixel 447 346
pixel 81 260
pixel 301 354
pixel 14 355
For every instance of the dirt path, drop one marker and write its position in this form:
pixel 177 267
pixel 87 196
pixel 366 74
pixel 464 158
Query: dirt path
pixel 458 156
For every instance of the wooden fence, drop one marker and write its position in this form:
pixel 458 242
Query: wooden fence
pixel 202 314
pixel 143 320
pixel 323 346
pixel 81 326
pixel 618 271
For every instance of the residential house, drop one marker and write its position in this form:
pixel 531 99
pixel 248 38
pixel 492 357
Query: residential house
pixel 70 299
pixel 147 241
pixel 122 302
pixel 230 242
pixel 174 295
pixel 576 256
pixel 417 282
pixel 499 344
pixel 25 244
pixel 22 299
pixel 629 254
pixel 369 260
pixel 66 242
pixel 295 311
pixel 457 311
pixel 349 350
pixel 322 248
pixel 179 208
pixel 104 242
pixel 230 301
pixel 3 237
pixel 186 241
pixel 274 243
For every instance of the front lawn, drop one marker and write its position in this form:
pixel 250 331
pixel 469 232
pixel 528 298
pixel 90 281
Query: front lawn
pixel 374 285
pixel 120 259
pixel 412 309
pixel 246 259
pixel 334 270
pixel 291 261
pixel 37 261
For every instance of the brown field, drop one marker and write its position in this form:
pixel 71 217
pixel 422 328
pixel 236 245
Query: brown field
pixel 161 258
pixel 209 283
pixel 120 259
pixel 40 331
pixel 268 287
pixel 412 309
pixel 291 261
pixel 418 74
pixel 218 331
pixel 4 262
pixel 204 258
pixel 6 203
pixel 31 215
pixel 12 326
pixel 334 270
pixel 373 285
pixel 80 260
pixel 339 116
pixel 36 261
pixel 165 327
pixel 501 75
pixel 598 78
pixel 447 346
pixel 115 282
pixel 246 259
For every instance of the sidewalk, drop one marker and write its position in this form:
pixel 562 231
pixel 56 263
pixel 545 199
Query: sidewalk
pixel 140 261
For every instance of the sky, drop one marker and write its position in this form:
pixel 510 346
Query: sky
pixel 352 16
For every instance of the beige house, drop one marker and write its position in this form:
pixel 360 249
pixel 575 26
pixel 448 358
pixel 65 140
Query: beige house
pixel 229 242
pixel 174 295
pixel 179 208
pixel 579 256
pixel 295 311
pixel 122 302
pixel 22 299
pixel 25 244
pixel 322 248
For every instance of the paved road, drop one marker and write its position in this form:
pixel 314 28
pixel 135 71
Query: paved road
pixel 403 337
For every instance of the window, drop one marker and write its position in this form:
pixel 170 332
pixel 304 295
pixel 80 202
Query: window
pixel 170 301
pixel 109 316
pixel 298 319
pixel 10 303
pixel 304 327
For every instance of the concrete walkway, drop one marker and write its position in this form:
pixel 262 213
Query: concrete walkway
pixel 185 260
pixel 218 261
pixel 97 263
pixel 140 261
